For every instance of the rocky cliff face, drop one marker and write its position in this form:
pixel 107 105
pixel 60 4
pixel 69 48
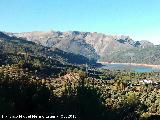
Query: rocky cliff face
pixel 91 45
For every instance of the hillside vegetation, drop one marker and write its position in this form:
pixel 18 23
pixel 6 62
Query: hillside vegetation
pixel 149 55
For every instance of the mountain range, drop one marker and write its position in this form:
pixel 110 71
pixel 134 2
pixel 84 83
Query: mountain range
pixel 95 46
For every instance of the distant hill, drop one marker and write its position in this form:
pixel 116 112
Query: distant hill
pixel 17 46
pixel 96 46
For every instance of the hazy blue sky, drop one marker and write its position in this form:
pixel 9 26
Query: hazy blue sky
pixel 140 19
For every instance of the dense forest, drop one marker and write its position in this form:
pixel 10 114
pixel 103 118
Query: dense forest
pixel 40 81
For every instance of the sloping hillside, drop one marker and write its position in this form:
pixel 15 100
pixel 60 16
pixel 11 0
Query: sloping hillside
pixel 20 46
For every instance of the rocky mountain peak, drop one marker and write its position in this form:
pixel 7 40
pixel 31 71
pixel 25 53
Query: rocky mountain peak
pixel 92 45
